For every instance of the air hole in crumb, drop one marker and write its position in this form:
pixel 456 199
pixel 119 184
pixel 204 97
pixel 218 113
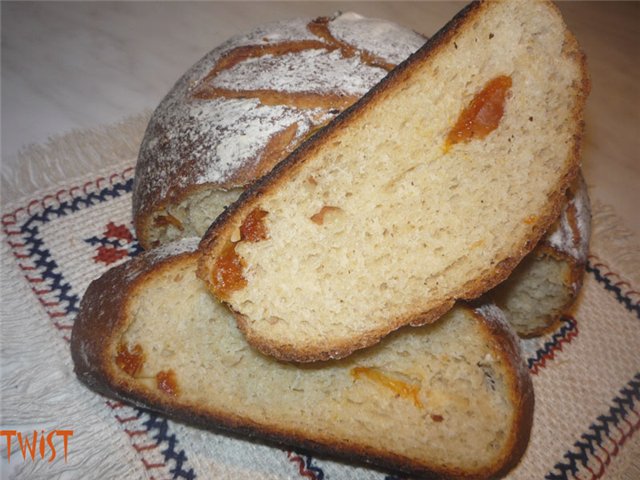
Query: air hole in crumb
pixel 273 319
pixel 488 375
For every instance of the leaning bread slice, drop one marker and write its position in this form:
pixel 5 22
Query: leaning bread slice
pixel 452 398
pixel 431 188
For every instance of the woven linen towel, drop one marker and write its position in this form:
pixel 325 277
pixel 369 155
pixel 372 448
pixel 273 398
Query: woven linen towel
pixel 66 218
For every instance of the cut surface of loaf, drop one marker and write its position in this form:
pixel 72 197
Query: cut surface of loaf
pixel 546 283
pixel 245 105
pixel 452 398
pixel 430 189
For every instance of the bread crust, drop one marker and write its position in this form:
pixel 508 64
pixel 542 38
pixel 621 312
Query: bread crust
pixel 103 319
pixel 222 228
pixel 574 280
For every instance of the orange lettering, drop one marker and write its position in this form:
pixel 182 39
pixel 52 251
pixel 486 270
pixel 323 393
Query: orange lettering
pixel 64 434
pixel 50 443
pixel 26 446
pixel 8 434
pixel 29 445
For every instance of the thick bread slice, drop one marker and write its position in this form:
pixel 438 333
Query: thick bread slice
pixel 381 219
pixel 452 398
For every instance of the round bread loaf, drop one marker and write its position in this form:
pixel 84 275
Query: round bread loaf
pixel 246 105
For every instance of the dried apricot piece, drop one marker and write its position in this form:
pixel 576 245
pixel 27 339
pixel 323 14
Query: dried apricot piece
pixel 482 116
pixel 399 387
pixel 130 360
pixel 227 274
pixel 167 383
pixel 253 228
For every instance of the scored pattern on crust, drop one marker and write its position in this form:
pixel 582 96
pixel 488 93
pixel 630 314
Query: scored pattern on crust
pixel 320 27
pixel 308 100
pixel 326 103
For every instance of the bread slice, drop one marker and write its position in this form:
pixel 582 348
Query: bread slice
pixel 429 189
pixel 546 283
pixel 452 398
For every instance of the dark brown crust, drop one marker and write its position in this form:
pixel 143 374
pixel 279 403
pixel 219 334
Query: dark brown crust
pixel 102 320
pixel 222 227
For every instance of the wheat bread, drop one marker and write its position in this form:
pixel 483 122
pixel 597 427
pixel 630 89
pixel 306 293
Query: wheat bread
pixel 397 208
pixel 245 105
pixel 546 283
pixel 452 399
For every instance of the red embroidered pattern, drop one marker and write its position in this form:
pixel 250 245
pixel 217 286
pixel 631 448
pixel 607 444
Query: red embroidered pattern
pixel 117 242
